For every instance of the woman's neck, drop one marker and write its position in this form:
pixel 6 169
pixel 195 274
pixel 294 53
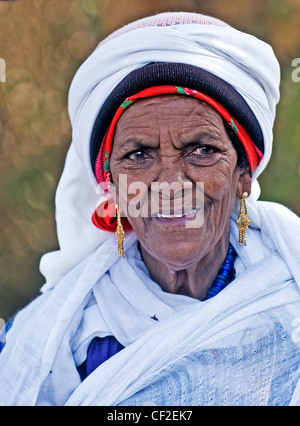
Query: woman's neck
pixel 194 279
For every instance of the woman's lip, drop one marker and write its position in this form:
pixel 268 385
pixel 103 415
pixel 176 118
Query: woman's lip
pixel 170 215
pixel 173 219
pixel 175 215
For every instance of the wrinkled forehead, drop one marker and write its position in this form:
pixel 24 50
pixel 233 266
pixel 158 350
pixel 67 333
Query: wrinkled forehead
pixel 174 118
pixel 167 110
pixel 166 105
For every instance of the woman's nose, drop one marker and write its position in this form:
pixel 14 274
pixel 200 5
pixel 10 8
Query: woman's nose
pixel 172 171
pixel 171 183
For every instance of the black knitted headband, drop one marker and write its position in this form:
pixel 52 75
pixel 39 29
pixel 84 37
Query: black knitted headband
pixel 162 73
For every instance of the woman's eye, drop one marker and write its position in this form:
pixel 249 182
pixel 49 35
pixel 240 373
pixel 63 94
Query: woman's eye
pixel 137 155
pixel 204 150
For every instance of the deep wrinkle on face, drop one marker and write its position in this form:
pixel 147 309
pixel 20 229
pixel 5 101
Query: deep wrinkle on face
pixel 175 138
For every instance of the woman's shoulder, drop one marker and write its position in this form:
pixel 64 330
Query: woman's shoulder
pixel 278 210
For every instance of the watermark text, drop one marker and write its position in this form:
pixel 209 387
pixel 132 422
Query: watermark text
pixel 296 71
pixel 296 332
pixel 162 200
pixel 2 71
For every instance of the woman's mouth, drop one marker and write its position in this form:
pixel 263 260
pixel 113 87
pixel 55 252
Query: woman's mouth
pixel 175 217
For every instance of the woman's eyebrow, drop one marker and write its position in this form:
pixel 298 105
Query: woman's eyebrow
pixel 136 143
pixel 201 139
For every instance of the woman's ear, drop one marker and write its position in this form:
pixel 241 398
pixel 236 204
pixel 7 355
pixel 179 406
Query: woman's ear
pixel 244 184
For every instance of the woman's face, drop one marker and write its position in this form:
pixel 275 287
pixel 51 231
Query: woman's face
pixel 181 141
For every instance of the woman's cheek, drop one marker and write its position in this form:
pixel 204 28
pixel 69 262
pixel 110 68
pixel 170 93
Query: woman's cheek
pixel 218 181
pixel 133 196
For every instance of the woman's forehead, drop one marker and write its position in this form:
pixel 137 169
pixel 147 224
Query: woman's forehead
pixel 181 117
pixel 164 107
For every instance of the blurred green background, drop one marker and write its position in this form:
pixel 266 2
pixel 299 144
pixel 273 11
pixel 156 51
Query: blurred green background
pixel 43 42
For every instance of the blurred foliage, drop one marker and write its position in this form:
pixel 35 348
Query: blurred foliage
pixel 43 42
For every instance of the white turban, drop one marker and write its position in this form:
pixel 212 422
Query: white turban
pixel 242 60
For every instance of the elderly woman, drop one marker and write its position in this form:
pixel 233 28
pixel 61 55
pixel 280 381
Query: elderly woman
pixel 172 121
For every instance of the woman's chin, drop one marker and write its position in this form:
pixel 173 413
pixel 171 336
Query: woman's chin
pixel 177 255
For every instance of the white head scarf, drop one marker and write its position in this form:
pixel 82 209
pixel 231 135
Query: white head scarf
pixel 244 61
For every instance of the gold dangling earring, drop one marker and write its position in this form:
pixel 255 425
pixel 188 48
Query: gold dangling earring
pixel 243 221
pixel 120 233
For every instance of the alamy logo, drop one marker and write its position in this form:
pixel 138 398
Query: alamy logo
pixel 296 331
pixel 163 200
pixel 2 71
pixel 2 324
pixel 296 71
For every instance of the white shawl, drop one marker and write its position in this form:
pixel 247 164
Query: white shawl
pixel 90 292
pixel 255 313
